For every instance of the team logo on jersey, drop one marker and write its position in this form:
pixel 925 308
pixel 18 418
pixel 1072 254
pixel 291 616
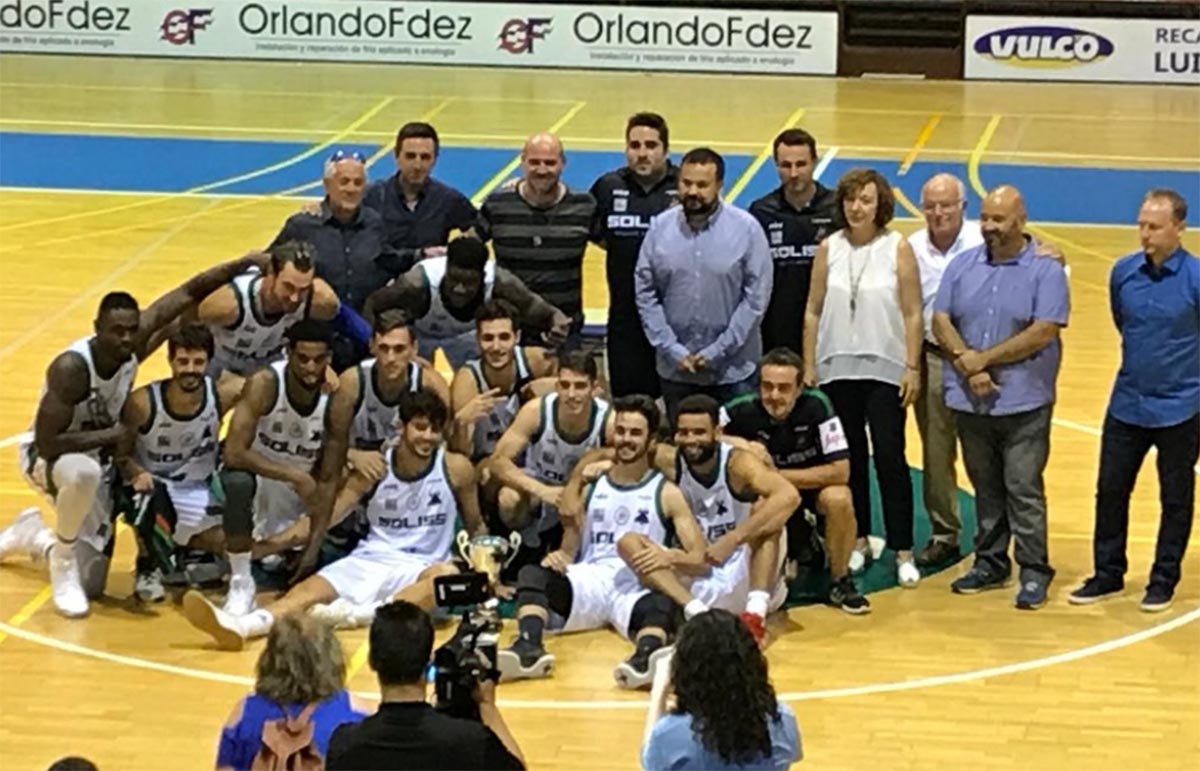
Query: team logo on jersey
pixel 622 516
pixel 163 441
pixel 643 517
pixel 391 504
pixel 413 502
pixel 620 205
pixel 188 440
pixel 598 515
pixel 776 237
pixel 295 430
pixel 435 499
pixel 277 427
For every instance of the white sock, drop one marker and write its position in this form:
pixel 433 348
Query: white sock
pixel 757 602
pixel 257 623
pixel 694 608
pixel 239 565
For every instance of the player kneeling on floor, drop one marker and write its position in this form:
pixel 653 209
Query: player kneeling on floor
pixel 412 513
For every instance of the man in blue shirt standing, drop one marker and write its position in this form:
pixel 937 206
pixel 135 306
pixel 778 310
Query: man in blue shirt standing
pixel 1155 297
pixel 998 314
pixel 702 284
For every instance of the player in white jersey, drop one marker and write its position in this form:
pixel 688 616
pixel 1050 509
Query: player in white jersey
pixel 76 431
pixel 170 454
pixel 487 392
pixel 442 294
pixel 251 314
pixel 586 584
pixel 283 458
pixel 552 432
pixel 413 513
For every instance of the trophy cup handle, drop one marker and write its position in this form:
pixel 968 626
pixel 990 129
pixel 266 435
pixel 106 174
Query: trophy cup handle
pixel 514 540
pixel 464 545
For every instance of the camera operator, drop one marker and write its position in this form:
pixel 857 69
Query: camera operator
pixel 406 732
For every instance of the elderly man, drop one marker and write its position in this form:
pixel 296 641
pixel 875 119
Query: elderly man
pixel 998 314
pixel 419 212
pixel 946 235
pixel 703 279
pixel 1155 296
pixel 540 228
pixel 352 254
pixel 626 200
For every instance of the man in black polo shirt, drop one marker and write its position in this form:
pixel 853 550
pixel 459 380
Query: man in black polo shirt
pixel 407 733
pixel 626 200
pixel 539 229
pixel 418 211
pixel 795 430
pixel 352 253
pixel 796 216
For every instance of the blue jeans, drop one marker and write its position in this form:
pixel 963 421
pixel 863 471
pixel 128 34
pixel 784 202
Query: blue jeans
pixel 673 392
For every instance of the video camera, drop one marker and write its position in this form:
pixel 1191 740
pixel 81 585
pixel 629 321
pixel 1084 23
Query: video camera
pixel 469 657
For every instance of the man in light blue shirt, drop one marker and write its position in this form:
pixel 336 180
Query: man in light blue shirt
pixel 1155 297
pixel 998 314
pixel 702 284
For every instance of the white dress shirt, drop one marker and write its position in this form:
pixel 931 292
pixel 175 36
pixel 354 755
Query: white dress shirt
pixel 932 263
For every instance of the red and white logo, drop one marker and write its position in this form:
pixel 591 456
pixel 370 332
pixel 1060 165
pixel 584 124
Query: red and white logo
pixel 517 35
pixel 179 27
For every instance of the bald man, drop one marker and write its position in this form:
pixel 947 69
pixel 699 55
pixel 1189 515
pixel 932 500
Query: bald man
pixel 998 314
pixel 540 228
pixel 352 251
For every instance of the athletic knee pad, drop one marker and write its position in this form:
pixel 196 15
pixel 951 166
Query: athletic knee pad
pixel 77 471
pixel 237 515
pixel 654 610
pixel 544 588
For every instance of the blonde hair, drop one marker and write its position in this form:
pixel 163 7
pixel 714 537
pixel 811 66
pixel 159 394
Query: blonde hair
pixel 303 662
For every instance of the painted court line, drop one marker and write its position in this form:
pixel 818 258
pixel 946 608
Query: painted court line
pixel 763 156
pixel 830 693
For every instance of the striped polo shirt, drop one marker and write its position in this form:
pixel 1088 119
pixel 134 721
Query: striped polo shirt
pixel 542 246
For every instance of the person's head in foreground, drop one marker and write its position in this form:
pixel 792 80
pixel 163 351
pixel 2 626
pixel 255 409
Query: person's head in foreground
pixel 303 662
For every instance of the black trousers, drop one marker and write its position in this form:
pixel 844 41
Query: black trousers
pixel 872 403
pixel 631 368
pixel 1123 447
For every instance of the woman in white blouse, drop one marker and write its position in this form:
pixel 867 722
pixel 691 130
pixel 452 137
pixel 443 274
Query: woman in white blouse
pixel 862 345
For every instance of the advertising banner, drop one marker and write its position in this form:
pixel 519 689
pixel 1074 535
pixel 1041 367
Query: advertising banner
pixel 1061 48
pixel 381 32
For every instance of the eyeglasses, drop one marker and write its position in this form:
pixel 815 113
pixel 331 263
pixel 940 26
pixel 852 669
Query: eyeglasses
pixel 342 155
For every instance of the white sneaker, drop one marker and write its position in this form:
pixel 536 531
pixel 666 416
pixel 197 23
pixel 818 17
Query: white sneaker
pixel 148 587
pixel 65 583
pixel 858 559
pixel 343 614
pixel 240 599
pixel 222 626
pixel 21 536
pixel 907 573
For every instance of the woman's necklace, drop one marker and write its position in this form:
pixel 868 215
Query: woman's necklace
pixel 856 281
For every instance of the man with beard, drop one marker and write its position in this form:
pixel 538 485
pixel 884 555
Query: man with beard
pixel 76 432
pixel 796 430
pixel 413 517
pixel 283 458
pixel 629 504
pixel 539 229
pixel 796 217
pixel 626 200
pixel 249 316
pixel 170 454
pixel 442 295
pixel 998 315
pixel 703 279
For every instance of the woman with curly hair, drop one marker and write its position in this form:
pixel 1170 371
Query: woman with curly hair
pixel 726 715
pixel 303 665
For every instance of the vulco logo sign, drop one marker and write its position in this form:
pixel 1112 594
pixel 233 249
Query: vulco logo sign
pixel 1044 46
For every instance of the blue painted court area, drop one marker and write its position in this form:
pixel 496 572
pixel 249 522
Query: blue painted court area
pixel 233 166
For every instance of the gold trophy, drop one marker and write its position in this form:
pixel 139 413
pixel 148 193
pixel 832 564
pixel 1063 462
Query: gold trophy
pixel 488 554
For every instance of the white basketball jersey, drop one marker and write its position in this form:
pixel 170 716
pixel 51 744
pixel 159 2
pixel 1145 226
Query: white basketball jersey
pixel 550 457
pixel 176 448
pixel 105 399
pixel 612 510
pixel 284 434
pixel 496 421
pixel 717 507
pixel 439 323
pixel 418 516
pixel 254 340
pixel 375 417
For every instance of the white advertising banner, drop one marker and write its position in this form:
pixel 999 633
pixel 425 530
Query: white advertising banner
pixel 1061 48
pixel 381 32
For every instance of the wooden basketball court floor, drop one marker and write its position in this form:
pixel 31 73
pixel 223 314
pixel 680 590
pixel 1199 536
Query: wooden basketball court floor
pixel 929 680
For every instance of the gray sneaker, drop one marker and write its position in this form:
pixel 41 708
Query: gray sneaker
pixel 978 580
pixel 1032 594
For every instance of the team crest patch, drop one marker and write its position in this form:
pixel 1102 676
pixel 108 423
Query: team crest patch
pixel 622 515
pixel 643 517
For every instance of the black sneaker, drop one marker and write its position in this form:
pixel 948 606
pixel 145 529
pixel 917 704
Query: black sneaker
pixel 523 659
pixel 845 595
pixel 1095 589
pixel 978 580
pixel 1157 598
pixel 637 671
